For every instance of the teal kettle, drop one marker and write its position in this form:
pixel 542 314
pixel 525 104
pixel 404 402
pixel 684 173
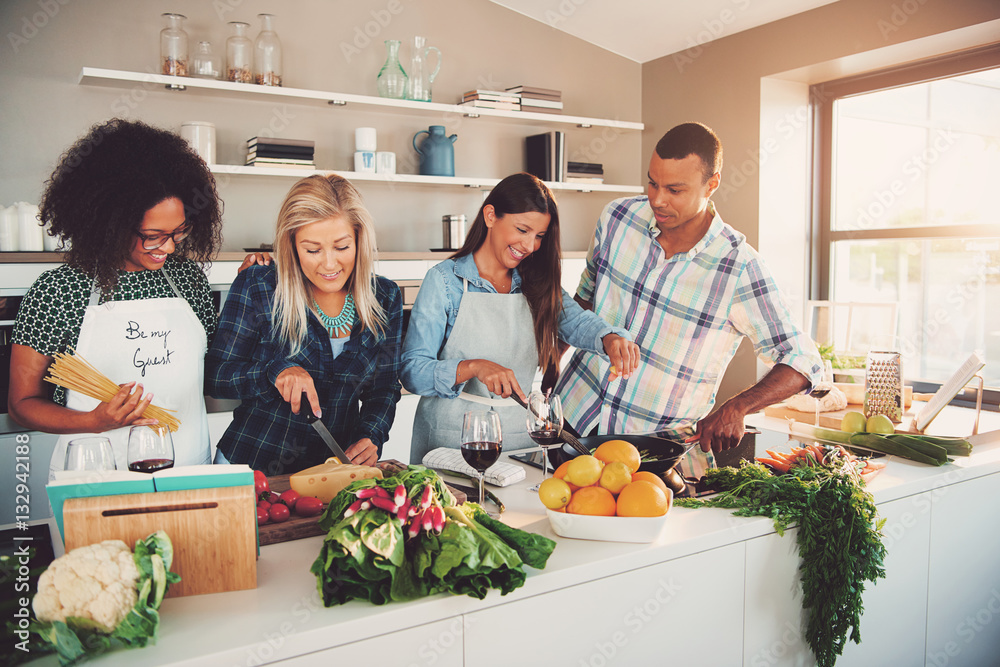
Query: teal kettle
pixel 437 155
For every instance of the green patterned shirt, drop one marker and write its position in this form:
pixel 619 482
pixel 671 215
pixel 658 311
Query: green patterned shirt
pixel 51 313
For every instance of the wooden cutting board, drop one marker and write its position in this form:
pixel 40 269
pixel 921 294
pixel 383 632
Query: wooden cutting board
pixel 952 421
pixel 298 527
pixel 212 531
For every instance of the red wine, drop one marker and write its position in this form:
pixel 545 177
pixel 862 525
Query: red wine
pixel 481 455
pixel 150 465
pixel 545 437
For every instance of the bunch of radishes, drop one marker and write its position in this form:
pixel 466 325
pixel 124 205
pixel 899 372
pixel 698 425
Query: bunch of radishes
pixel 278 508
pixel 425 514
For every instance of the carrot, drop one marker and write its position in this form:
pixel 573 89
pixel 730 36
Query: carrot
pixel 780 456
pixel 818 451
pixel 780 466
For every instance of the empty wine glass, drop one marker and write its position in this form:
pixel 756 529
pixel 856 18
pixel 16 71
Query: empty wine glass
pixel 90 453
pixel 545 420
pixel 481 443
pixel 150 448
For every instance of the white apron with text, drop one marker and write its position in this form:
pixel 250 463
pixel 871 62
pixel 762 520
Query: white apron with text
pixel 159 343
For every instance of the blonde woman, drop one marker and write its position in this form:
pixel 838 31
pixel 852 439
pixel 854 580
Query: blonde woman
pixel 315 329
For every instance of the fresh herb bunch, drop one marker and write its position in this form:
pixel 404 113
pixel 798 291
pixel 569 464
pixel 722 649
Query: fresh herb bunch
pixel 839 539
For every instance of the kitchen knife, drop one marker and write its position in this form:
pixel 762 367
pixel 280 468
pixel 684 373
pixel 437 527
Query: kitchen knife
pixel 323 431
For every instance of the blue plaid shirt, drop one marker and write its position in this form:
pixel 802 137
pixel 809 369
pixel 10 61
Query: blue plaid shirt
pixel 688 314
pixel 358 389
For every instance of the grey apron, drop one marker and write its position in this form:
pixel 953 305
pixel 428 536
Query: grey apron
pixel 497 327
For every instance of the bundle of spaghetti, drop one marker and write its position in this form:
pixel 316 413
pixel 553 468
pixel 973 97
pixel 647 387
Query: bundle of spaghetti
pixel 74 372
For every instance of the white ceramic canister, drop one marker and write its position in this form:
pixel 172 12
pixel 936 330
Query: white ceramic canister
pixel 365 139
pixel 385 162
pixel 201 136
pixel 31 238
pixel 8 229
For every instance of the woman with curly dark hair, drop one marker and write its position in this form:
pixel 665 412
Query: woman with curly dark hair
pixel 137 210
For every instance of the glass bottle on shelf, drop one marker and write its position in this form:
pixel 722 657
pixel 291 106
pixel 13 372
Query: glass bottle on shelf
pixel 174 46
pixel 205 64
pixel 267 53
pixel 239 53
pixel 418 86
pixel 391 80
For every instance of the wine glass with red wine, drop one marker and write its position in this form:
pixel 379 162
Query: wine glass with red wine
pixel 545 421
pixel 150 448
pixel 481 442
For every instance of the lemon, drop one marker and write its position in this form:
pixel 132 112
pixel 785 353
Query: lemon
pixel 880 424
pixel 583 470
pixel 554 493
pixel 853 422
pixel 615 476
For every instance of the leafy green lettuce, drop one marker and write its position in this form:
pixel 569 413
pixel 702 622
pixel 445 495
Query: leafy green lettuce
pixel 369 555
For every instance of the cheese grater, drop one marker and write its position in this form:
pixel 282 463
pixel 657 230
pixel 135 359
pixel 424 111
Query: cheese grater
pixel 884 385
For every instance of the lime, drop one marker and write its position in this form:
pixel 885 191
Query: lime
pixel 880 424
pixel 853 422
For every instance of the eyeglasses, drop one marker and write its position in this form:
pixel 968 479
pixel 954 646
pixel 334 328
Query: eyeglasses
pixel 154 241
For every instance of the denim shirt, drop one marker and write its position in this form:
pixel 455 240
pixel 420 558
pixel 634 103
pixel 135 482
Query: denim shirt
pixel 434 313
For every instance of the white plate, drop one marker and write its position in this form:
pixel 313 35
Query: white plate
pixel 607 528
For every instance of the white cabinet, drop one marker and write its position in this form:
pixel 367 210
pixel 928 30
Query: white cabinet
pixel 648 616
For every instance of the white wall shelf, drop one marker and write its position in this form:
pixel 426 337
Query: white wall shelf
pixel 410 179
pixel 95 76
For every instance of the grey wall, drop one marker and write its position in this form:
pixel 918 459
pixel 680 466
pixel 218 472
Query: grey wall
pixel 332 45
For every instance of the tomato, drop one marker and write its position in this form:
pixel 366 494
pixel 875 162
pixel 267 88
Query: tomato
pixel 279 513
pixel 308 506
pixel 262 516
pixel 270 497
pixel 263 505
pixel 290 497
pixel 260 484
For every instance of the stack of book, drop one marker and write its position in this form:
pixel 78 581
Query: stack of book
pixel 273 152
pixel 491 99
pixel 544 100
pixel 584 172
pixel 545 155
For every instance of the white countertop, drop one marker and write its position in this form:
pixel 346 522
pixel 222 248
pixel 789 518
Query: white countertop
pixel 284 617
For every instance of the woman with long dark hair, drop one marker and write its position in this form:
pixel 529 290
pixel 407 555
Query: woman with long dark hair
pixel 486 319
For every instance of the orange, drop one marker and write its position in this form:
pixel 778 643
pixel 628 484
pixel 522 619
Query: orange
pixel 592 500
pixel 650 477
pixel 619 450
pixel 584 470
pixel 560 473
pixel 642 498
pixel 615 476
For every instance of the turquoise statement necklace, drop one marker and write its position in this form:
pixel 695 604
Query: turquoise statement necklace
pixel 341 324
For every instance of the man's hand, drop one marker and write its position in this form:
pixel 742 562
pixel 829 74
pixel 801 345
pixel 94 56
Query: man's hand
pixel 723 429
pixel 362 453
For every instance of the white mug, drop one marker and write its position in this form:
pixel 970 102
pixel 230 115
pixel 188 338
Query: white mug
pixel 364 139
pixel 385 162
pixel 364 162
pixel 201 136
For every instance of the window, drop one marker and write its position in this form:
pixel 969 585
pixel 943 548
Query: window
pixel 909 167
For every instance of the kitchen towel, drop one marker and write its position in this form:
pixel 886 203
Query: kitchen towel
pixel 498 474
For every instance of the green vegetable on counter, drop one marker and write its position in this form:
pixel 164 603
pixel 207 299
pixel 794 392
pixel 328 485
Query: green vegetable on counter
pixel 378 548
pixel 839 540
pixel 78 623
pixel 920 448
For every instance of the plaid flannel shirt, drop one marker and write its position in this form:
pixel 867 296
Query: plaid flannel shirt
pixel 358 389
pixel 688 314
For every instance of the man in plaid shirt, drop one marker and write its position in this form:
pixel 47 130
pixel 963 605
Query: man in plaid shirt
pixel 688 287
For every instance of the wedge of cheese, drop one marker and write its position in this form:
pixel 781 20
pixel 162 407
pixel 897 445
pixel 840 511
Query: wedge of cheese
pixel 328 479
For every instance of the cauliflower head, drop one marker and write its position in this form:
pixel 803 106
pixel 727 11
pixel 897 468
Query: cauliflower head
pixel 95 584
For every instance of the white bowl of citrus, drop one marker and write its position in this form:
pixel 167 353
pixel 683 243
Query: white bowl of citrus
pixel 606 497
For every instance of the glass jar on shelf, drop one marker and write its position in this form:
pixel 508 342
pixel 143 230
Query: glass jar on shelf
pixel 174 46
pixel 391 79
pixel 239 53
pixel 205 64
pixel 267 53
